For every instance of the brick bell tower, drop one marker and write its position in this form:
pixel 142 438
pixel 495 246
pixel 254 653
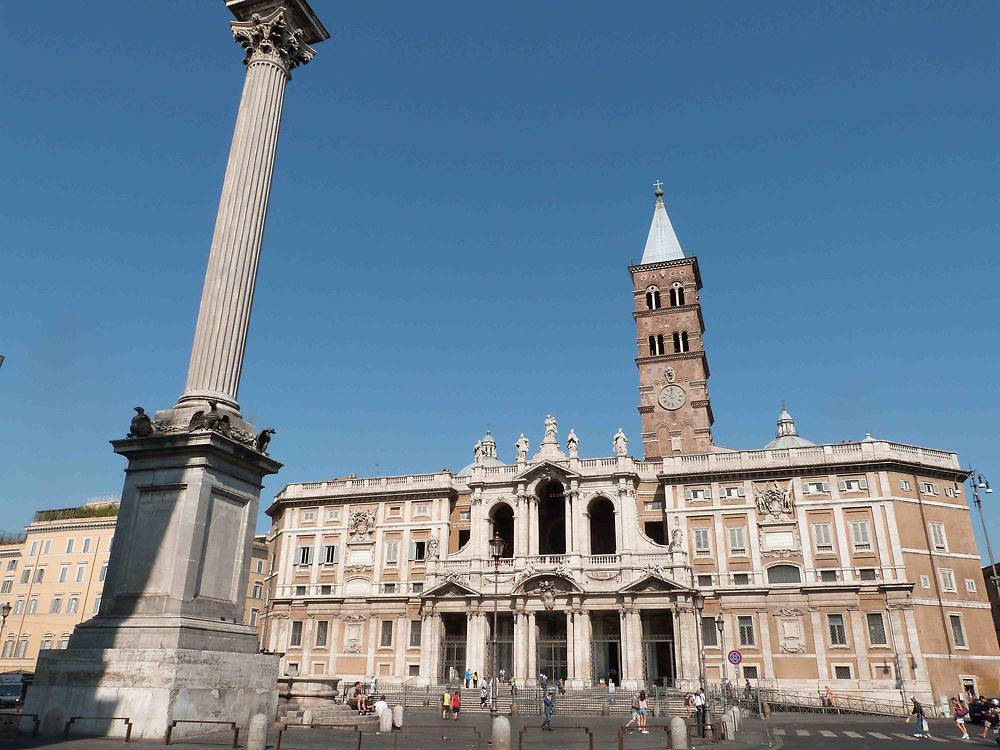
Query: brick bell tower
pixel 673 370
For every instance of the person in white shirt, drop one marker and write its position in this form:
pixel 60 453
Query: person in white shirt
pixel 380 706
pixel 699 707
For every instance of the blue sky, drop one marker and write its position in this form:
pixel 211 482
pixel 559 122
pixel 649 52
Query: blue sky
pixel 459 190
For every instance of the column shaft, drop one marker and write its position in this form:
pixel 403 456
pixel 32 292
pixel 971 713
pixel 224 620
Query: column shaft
pixel 227 297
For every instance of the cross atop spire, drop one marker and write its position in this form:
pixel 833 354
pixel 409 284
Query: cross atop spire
pixel 661 244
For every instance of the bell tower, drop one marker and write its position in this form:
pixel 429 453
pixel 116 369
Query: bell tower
pixel 673 370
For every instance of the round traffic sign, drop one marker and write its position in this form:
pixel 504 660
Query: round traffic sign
pixel 735 657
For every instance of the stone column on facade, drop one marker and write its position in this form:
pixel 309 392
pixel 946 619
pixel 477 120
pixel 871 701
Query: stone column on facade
pixel 273 48
pixel 634 620
pixel 532 660
pixel 860 644
pixel 570 643
pixel 520 666
pixel 898 643
pixel 582 643
pixel 766 645
pixel 691 659
pixel 680 673
pixel 532 525
pixel 819 644
pixel 626 646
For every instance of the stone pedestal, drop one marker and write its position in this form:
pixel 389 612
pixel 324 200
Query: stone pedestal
pixel 153 687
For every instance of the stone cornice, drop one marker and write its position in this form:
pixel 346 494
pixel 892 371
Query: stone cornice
pixel 689 261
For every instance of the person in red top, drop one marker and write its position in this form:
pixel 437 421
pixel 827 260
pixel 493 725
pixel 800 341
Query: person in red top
pixel 456 704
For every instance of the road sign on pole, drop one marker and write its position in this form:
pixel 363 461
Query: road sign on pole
pixel 735 657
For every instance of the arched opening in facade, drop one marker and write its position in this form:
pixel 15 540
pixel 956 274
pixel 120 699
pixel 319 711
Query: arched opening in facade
pixel 676 296
pixel 681 342
pixel 552 519
pixel 784 574
pixel 653 298
pixel 656 345
pixel 503 524
pixel 602 527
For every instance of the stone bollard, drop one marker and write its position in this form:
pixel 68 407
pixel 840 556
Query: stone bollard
pixel 500 734
pixel 307 717
pixel 397 717
pixel 257 735
pixel 385 722
pixel 605 709
pixel 656 712
pixel 514 709
pixel 730 725
pixel 678 733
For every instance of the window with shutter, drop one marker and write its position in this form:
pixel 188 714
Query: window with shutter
pixel 303 556
pixel 947 579
pixel 823 536
pixel 937 535
pixel 702 543
pixel 332 554
pixel 957 632
pixel 838 633
pixel 737 545
pixel 876 629
pixel 746 631
pixel 391 553
pixel 859 536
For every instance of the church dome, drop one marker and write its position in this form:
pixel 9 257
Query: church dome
pixel 787 436
pixel 484 454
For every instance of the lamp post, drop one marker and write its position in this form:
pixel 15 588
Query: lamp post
pixel 979 482
pixel 699 606
pixel 720 625
pixel 5 609
pixel 497 545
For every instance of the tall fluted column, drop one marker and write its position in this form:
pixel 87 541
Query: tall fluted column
pixel 273 48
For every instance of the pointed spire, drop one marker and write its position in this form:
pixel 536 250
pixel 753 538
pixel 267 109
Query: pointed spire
pixel 661 244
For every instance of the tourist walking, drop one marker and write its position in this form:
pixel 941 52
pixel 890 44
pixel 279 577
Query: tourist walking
pixel 829 699
pixel 445 703
pixel 635 714
pixel 547 705
pixel 456 704
pixel 643 712
pixel 689 704
pixel 991 716
pixel 699 708
pixel 959 711
pixel 923 730
pixel 468 676
pixel 475 679
pixel 484 696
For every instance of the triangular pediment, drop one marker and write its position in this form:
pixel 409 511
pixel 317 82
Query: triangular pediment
pixel 652 583
pixel 449 588
pixel 554 470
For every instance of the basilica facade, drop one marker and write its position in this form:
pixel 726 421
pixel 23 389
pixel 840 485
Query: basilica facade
pixel 851 564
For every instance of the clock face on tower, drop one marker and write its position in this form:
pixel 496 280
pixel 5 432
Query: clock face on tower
pixel 672 397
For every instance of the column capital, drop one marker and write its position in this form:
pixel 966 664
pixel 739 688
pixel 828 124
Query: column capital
pixel 272 38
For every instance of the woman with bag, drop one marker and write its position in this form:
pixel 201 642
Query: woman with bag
pixel 918 713
pixel 960 712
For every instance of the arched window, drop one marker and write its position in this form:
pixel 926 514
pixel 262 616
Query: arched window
pixel 676 295
pixel 680 342
pixel 656 345
pixel 602 527
pixel 784 574
pixel 64 641
pixel 653 298
pixel 503 524
pixel 46 641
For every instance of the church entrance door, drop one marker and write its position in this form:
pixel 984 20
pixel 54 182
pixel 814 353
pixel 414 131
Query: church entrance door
pixel 606 648
pixel 453 648
pixel 551 653
pixel 658 650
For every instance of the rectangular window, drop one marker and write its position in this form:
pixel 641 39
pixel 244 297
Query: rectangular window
pixel 741 579
pixel 22 648
pixel 464 515
pixel 308 516
pixel 391 553
pixel 300 591
pixel 823 536
pixel 86 545
pixel 295 637
pixel 303 555
pixel 56 606
pixel 929 489
pixel 815 488
pixel 953 491
pixel 750 672
pixel 104 571
pixel 8 584
pixel 69 545
pixel 416 627
pixel 970 585
pixel 417 587
pixel 258 591
pixel 395 511
pixel 860 537
pixel 73 605
pixel 705 581
pixel 418 551
pixel 925 582
pixel 32 605
pixel 326 590
pixel 331 554
pixel 702 542
pixel 97 605
pixel 253 617
pixel 81 573
pixel 653 505
pixel 63 573
pixel 842 672
pixel 25 576
pixel 947 579
pixel 64 642
pixel 702 493
pixel 868 574
pixel 333 514
pixel 385 637
pixel 46 546
pixel 34 549
pixel 937 536
pixel 828 576
pixel 259 566
pixel 852 485
pixel 12 565
pixel 8 648
pixel 731 493
pixel 745 624
pixel 876 629
pixel 39 575
pixel 905 485
pixel 838 634
pixel 322 631
pixel 388 588
pixel 737 540
pixel 421 509
pixel 956 630
pixel 18 606
pixel 709 635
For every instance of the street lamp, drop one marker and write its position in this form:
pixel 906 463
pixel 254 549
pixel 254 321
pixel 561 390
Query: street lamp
pixel 979 482
pixel 5 609
pixel 699 605
pixel 720 625
pixel 497 545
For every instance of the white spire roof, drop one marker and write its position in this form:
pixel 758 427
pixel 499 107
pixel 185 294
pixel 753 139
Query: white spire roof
pixel 787 436
pixel 661 244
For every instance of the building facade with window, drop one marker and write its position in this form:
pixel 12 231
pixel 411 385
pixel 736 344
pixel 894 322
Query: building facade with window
pixel 53 577
pixel 850 564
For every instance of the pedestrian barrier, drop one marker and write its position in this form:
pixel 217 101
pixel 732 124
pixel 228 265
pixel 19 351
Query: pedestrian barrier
pixel 175 722
pixel 17 716
pixel 74 719
pixel 561 728
pixel 341 725
pixel 623 730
